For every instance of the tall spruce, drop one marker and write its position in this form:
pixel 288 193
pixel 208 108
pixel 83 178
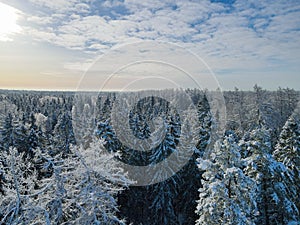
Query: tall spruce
pixel 275 205
pixel 228 195
pixel 287 151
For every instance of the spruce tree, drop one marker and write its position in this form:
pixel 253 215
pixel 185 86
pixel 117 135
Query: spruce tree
pixel 63 134
pixel 287 151
pixel 227 195
pixel 275 205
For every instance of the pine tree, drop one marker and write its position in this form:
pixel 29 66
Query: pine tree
pixel 14 134
pixel 190 176
pixel 80 189
pixel 274 203
pixel 83 120
pixel 17 204
pixel 32 138
pixel 7 132
pixel 164 189
pixel 227 195
pixel 64 136
pixel 287 151
pixel 100 180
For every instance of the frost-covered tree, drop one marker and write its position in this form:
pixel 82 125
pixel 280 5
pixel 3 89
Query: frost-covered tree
pixel 46 189
pixel 83 119
pixel 18 199
pixel 82 187
pixel 8 132
pixel 275 205
pixel 287 151
pixel 227 195
pixel 101 179
pixel 32 139
pixel 63 134
pixel 36 128
pixel 285 101
pixel 163 191
pixel 190 176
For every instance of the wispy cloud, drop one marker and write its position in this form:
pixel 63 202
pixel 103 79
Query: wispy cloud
pixel 230 35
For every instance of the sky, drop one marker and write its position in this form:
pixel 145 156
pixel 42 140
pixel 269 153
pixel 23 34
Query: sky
pixel 60 44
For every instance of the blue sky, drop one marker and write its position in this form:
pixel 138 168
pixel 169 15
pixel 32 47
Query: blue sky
pixel 244 41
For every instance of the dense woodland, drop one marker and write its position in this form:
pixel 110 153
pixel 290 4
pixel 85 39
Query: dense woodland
pixel 53 172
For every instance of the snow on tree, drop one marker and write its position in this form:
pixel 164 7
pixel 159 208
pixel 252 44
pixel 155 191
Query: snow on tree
pixel 7 132
pixel 63 131
pixel 274 202
pixel 83 119
pixel 165 136
pixel 190 176
pixel 78 189
pixel 227 195
pixel 287 151
pixel 171 200
pixel 101 179
pixel 18 203
pixel 285 101
pixel 40 121
pixel 83 186
pixel 52 179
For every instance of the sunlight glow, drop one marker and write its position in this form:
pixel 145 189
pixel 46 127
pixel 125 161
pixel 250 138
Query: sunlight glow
pixel 8 19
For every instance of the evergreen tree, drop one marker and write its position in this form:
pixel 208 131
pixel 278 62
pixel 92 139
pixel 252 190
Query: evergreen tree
pixel 7 132
pixel 190 176
pixel 14 134
pixel 80 189
pixel 227 195
pixel 17 204
pixel 83 120
pixel 64 135
pixel 100 180
pixel 274 202
pixel 287 151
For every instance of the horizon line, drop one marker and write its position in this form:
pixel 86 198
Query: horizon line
pixel 118 90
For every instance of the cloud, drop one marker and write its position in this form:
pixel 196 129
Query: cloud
pixel 230 36
pixel 8 22
pixel 61 6
pixel 78 66
pixel 170 20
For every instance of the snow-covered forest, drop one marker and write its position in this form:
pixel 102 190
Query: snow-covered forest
pixel 58 160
